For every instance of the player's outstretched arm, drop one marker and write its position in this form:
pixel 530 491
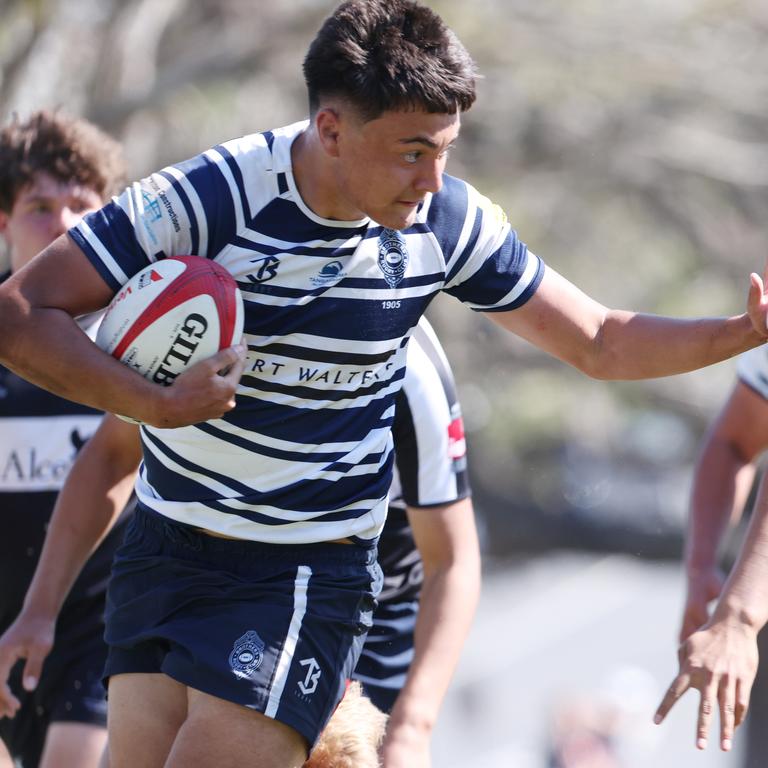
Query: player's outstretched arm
pixel 720 660
pixel 722 480
pixel 41 342
pixel 447 541
pixel 95 492
pixel 615 344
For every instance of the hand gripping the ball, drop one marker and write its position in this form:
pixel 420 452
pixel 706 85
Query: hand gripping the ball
pixel 203 392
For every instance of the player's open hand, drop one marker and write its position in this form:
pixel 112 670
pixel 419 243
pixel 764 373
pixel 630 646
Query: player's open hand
pixel 30 638
pixel 720 661
pixel 757 302
pixel 205 391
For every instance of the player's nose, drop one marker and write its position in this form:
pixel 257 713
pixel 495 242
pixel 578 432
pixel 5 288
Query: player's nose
pixel 431 178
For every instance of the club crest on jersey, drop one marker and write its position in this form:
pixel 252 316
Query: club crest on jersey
pixel 247 655
pixel 393 258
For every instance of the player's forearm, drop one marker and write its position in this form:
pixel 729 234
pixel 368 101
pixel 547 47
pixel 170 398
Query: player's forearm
pixel 639 346
pixel 745 597
pixel 447 607
pixel 85 512
pixel 721 484
pixel 43 344
pixel 97 379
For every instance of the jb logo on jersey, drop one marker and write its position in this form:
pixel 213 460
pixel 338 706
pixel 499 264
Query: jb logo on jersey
pixel 266 269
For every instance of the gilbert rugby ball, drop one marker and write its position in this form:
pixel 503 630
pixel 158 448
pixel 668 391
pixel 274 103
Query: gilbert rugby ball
pixel 172 314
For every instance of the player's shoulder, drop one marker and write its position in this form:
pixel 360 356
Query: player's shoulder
pixel 457 196
pixel 257 163
pixel 459 212
pixel 264 148
pixel 248 154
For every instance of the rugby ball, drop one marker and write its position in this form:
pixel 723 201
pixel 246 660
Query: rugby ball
pixel 172 314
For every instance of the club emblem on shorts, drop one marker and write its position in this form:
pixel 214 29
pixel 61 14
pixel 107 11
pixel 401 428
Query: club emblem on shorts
pixel 247 654
pixel 393 258
pixel 309 683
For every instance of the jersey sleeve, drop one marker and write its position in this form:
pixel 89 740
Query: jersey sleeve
pixel 430 448
pixel 752 369
pixel 487 266
pixel 189 208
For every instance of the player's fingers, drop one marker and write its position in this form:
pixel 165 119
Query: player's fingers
pixel 679 686
pixel 33 667
pixel 234 370
pixel 707 705
pixel 8 702
pixel 726 696
pixel 741 703
pixel 227 359
pixel 9 655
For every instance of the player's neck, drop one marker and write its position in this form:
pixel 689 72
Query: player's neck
pixel 316 180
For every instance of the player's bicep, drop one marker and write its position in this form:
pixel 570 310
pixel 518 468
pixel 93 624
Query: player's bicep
pixel 60 277
pixel 119 442
pixel 559 319
pixel 445 533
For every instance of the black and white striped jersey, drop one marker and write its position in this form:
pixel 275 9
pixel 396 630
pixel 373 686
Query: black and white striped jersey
pixel 431 470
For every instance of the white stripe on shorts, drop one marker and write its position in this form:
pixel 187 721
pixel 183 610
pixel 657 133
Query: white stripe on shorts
pixel 303 574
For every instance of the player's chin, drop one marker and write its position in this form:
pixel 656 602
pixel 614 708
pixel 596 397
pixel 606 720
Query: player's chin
pixel 400 217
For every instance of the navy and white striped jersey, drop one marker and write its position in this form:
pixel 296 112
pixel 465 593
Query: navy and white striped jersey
pixel 431 470
pixel 329 307
pixel 752 369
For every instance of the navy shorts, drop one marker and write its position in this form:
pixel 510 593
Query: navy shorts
pixel 276 628
pixel 70 688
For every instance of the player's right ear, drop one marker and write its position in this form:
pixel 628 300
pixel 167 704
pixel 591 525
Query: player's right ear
pixel 327 123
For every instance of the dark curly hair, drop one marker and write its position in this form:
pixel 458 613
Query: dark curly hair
pixel 385 55
pixel 67 148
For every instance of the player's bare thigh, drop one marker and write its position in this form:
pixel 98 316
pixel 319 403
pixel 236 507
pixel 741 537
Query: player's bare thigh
pixel 5 758
pixel 152 715
pixel 145 712
pixel 218 732
pixel 68 744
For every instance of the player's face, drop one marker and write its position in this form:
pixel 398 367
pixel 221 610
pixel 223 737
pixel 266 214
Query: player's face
pixel 43 210
pixel 387 166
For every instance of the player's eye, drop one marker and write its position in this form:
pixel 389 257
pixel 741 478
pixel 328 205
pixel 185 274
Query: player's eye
pixel 412 157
